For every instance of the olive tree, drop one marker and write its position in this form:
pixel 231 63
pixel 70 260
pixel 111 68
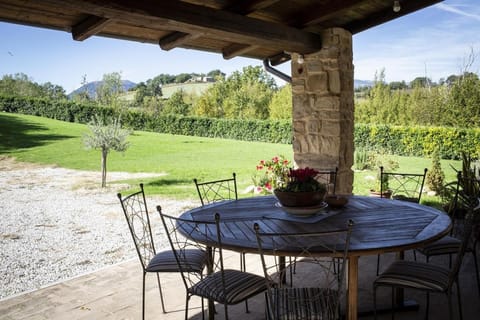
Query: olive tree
pixel 105 136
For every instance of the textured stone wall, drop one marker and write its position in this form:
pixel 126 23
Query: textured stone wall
pixel 322 89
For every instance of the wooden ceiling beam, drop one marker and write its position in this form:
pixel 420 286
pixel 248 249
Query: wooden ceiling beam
pixel 176 39
pixel 236 49
pixel 190 18
pixel 388 15
pixel 89 27
pixel 314 16
pixel 248 6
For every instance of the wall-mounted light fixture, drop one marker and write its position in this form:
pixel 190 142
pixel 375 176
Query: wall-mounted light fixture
pixel 396 6
pixel 300 59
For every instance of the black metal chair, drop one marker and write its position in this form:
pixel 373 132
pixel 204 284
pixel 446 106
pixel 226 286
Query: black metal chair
pixel 312 297
pixel 426 276
pixel 135 209
pixel 329 178
pixel 450 244
pixel 404 187
pixel 225 286
pixel 217 190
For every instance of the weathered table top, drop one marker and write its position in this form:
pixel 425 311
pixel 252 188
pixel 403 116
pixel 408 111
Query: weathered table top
pixel 381 225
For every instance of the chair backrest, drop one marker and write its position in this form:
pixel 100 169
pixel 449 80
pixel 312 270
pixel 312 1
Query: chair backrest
pixel 185 234
pixel 404 186
pixel 467 195
pixel 315 250
pixel 467 239
pixel 136 213
pixel 217 190
pixel 329 178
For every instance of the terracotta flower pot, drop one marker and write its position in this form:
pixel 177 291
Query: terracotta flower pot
pixel 299 199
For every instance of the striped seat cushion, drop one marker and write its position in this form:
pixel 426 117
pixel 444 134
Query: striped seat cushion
pixel 413 274
pixel 193 260
pixel 446 245
pixel 239 286
pixel 302 303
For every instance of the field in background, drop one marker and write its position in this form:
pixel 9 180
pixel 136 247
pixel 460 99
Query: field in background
pixel 181 158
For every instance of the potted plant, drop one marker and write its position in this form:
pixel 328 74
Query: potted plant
pixel 381 188
pixel 301 189
pixel 270 174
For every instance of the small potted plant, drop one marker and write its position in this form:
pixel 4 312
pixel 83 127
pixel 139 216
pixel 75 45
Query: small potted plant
pixel 381 186
pixel 301 189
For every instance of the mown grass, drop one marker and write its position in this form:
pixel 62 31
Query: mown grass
pixel 180 158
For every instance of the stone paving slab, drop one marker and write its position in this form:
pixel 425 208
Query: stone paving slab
pixel 115 293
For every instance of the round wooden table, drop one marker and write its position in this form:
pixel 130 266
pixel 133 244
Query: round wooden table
pixel 381 225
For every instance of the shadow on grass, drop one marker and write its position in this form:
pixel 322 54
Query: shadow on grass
pixel 168 182
pixel 16 133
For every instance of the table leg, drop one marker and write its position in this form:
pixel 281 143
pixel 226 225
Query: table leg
pixel 352 288
pixel 211 303
pixel 283 265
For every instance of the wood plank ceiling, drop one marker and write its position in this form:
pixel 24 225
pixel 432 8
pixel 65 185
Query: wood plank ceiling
pixel 252 28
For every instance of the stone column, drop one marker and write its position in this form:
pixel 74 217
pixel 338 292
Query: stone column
pixel 322 90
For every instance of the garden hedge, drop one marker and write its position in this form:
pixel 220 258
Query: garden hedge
pixel 399 140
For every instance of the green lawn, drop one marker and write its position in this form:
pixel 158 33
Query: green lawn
pixel 181 158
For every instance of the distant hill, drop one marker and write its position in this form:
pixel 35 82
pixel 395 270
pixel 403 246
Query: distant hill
pixel 362 83
pixel 91 88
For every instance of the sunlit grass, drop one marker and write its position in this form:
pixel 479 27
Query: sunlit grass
pixel 181 158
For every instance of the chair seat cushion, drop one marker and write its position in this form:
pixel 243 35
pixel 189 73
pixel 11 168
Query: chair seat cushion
pixel 239 286
pixel 413 274
pixel 303 303
pixel 165 261
pixel 446 245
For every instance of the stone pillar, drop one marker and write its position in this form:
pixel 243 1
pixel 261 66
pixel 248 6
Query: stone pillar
pixel 322 90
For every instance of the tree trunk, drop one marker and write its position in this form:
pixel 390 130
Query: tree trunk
pixel 104 168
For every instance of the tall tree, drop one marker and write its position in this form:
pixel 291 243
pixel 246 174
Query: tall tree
pixel 110 89
pixel 245 94
pixel 280 106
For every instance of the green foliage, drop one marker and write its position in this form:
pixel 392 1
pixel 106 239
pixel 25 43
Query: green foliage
pixel 435 178
pixel 110 89
pixel 362 159
pixel 176 104
pixel 280 106
pixel 106 136
pixel 243 95
pixel 21 85
pixel 398 140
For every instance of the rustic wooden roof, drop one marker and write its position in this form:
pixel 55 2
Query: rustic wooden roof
pixel 250 28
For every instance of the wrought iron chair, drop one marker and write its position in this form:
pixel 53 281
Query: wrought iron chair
pixel 426 276
pixel 217 190
pixel 329 177
pixel 451 243
pixel 225 286
pixel 404 187
pixel 312 297
pixel 135 209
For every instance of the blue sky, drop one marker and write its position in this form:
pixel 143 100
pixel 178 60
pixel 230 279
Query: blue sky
pixel 434 42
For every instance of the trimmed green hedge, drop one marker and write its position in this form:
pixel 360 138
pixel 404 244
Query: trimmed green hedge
pixel 399 140
pixel 418 141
